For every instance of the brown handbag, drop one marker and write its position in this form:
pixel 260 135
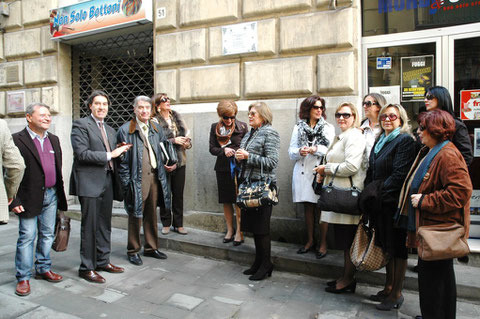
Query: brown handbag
pixel 442 241
pixel 365 255
pixel 62 232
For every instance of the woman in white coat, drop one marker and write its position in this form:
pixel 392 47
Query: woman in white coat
pixel 310 140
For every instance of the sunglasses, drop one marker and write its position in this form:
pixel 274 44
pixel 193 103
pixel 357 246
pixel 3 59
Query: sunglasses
pixel 421 128
pixel 228 117
pixel 316 107
pixel 391 116
pixel 164 99
pixel 429 96
pixel 344 115
pixel 369 103
pixel 252 114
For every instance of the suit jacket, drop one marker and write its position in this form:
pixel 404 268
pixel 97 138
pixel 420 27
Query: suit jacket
pixel 32 188
pixel 90 165
pixel 13 167
pixel 222 164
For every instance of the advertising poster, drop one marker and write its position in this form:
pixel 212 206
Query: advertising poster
pixel 417 75
pixel 470 104
pixel 391 93
pixel 476 142
pixel 97 16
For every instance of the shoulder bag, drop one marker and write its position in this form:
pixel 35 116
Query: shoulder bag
pixel 442 241
pixel 252 194
pixel 62 232
pixel 365 255
pixel 338 199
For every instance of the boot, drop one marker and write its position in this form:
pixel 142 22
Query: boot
pixel 266 266
pixel 258 257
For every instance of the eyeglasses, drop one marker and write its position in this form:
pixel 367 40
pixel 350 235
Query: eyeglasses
pixel 252 114
pixel 346 116
pixel 429 96
pixel 392 117
pixel 164 99
pixel 228 117
pixel 369 103
pixel 316 107
pixel 421 128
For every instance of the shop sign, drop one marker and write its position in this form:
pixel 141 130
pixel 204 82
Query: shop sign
pixel 391 93
pixel 96 16
pixel 384 63
pixel 240 38
pixel 417 75
pixel 470 104
pixel 385 6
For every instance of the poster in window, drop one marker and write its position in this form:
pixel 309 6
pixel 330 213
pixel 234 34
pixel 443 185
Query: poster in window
pixel 417 75
pixel 476 143
pixel 470 104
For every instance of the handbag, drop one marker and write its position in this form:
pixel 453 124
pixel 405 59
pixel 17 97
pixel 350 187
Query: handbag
pixel 338 199
pixel 62 232
pixel 442 241
pixel 168 153
pixel 252 194
pixel 365 255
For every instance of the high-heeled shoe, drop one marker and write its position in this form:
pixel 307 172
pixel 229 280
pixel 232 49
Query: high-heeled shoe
pixel 348 288
pixel 388 305
pixel 332 283
pixel 262 274
pixel 379 297
pixel 238 243
pixel 304 250
pixel 252 270
pixel 228 240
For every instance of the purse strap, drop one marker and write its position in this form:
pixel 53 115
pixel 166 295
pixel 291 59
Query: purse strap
pixel 333 177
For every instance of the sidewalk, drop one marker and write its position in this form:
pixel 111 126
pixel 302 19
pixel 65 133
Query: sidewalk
pixel 184 286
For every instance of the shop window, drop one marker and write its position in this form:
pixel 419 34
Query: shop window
pixel 121 66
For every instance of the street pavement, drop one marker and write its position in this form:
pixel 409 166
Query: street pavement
pixel 183 286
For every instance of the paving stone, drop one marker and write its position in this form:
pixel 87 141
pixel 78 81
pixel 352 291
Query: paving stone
pixel 228 300
pixel 72 286
pixel 184 301
pixel 12 306
pixel 43 312
pixel 110 295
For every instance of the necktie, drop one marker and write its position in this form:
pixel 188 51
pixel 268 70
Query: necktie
pixel 153 162
pixel 105 141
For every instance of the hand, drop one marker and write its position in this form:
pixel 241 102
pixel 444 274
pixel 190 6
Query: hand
pixel 229 152
pixel 18 209
pixel 170 168
pixel 241 154
pixel 415 198
pixel 180 140
pixel 312 149
pixel 320 169
pixel 304 151
pixel 120 150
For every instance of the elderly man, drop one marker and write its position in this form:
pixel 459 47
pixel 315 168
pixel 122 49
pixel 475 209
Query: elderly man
pixel 144 179
pixel 40 194
pixel 94 179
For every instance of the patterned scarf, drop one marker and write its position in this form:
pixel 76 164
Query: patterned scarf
pixel 308 136
pixel 224 133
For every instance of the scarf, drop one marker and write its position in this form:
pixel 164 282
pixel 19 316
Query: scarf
pixel 382 140
pixel 308 136
pixel 224 133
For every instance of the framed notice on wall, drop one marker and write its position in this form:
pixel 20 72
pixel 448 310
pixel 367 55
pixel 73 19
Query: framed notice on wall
pixel 240 38
pixel 417 75
pixel 16 102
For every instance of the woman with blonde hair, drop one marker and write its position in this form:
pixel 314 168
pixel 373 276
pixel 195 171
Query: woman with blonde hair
pixel 225 138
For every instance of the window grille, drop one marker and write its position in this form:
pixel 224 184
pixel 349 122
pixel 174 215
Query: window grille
pixel 122 66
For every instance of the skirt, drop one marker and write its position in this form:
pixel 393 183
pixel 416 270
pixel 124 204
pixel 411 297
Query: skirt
pixel 226 188
pixel 256 220
pixel 344 235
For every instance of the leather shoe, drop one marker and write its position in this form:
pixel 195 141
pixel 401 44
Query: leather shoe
pixel 23 288
pixel 320 255
pixel 135 259
pixel 111 268
pixel 91 275
pixel 165 230
pixel 304 250
pixel 155 254
pixel 181 230
pixel 49 276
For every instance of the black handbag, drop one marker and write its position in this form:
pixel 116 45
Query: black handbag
pixel 338 199
pixel 257 193
pixel 168 153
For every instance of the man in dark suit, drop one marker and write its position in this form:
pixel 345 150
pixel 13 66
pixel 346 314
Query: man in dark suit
pixel 94 180
pixel 144 181
pixel 40 194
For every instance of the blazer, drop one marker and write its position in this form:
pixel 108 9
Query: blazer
pixel 32 188
pixel 90 165
pixel 13 167
pixel 222 163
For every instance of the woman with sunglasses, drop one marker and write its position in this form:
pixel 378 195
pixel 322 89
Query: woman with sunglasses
pixel 225 138
pixel 310 140
pixel 345 157
pixel 390 160
pixel 177 132
pixel 372 103
pixel 438 98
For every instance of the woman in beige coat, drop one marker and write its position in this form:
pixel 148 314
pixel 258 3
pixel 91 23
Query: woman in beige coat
pixel 345 156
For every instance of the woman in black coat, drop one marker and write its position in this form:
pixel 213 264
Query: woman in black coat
pixel 225 138
pixel 389 163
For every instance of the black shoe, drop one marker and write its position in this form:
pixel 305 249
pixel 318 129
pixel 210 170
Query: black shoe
pixel 332 283
pixel 304 250
pixel 155 254
pixel 238 243
pixel 388 305
pixel 251 270
pixel 320 255
pixel 262 274
pixel 463 259
pixel 379 297
pixel 348 288
pixel 228 240
pixel 135 259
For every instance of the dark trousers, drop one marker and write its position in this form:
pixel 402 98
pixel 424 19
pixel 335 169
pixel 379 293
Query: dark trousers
pixel 149 220
pixel 437 289
pixel 96 228
pixel 177 184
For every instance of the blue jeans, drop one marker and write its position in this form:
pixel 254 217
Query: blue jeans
pixel 27 232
